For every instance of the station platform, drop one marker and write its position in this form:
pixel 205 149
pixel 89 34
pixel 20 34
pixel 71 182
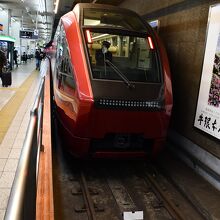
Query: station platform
pixel 16 102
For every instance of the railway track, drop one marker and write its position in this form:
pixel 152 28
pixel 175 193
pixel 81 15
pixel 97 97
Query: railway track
pixel 115 190
pixel 169 205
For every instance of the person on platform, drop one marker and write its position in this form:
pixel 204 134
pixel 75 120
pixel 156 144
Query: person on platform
pixel 37 57
pixel 15 55
pixel 3 61
pixel 24 56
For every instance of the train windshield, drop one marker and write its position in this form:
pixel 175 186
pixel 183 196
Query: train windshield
pixel 130 57
pixel 104 17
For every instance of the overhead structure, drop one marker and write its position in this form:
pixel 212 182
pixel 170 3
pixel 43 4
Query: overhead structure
pixel 33 14
pixel 43 15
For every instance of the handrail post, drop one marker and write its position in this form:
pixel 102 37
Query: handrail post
pixel 29 208
pixel 22 199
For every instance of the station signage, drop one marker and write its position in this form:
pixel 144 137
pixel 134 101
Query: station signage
pixel 29 34
pixel 208 107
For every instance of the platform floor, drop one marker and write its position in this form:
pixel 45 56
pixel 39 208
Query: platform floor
pixel 16 102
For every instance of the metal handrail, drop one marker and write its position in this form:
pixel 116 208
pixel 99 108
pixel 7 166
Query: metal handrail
pixel 22 199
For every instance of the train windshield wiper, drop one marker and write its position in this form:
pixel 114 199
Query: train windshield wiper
pixel 125 79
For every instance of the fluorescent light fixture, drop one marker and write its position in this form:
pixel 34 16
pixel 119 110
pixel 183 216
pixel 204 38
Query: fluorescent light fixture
pixel 91 22
pixel 56 6
pixel 43 19
pixel 13 19
pixel 100 36
pixel 1 9
pixel 41 6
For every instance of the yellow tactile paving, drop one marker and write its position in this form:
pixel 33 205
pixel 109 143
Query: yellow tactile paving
pixel 8 112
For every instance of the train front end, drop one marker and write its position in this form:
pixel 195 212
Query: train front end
pixel 131 85
pixel 128 71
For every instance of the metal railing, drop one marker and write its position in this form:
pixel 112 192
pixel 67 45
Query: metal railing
pixel 22 199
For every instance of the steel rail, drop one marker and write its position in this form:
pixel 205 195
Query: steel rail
pixel 87 198
pixel 22 199
pixel 171 208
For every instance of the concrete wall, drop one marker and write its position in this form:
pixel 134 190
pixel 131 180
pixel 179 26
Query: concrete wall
pixel 183 27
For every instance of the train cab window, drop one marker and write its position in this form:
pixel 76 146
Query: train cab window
pixel 132 55
pixel 65 74
pixel 129 54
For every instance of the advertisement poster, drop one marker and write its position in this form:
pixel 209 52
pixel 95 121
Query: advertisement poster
pixel 208 106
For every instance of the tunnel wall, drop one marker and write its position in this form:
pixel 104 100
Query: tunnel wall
pixel 182 28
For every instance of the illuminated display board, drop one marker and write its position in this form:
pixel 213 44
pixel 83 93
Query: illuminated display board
pixel 28 34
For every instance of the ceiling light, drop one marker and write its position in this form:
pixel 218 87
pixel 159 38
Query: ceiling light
pixel 56 6
pixel 41 6
pixel 100 36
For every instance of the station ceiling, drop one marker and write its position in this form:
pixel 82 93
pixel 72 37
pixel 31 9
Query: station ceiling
pixel 40 13
pixel 28 12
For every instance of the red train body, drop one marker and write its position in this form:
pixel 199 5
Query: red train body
pixel 111 81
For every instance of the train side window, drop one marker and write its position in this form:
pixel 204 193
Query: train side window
pixel 69 80
pixel 66 70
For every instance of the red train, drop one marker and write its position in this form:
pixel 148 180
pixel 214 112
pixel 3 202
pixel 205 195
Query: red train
pixel 111 81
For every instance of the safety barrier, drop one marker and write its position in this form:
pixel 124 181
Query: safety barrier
pixel 22 199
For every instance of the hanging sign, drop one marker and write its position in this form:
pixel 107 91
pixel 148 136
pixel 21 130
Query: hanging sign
pixel 35 34
pixel 29 34
pixel 208 106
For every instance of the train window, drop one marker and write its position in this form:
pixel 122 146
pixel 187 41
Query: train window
pixel 105 17
pixel 130 54
pixel 65 73
pixel 68 79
